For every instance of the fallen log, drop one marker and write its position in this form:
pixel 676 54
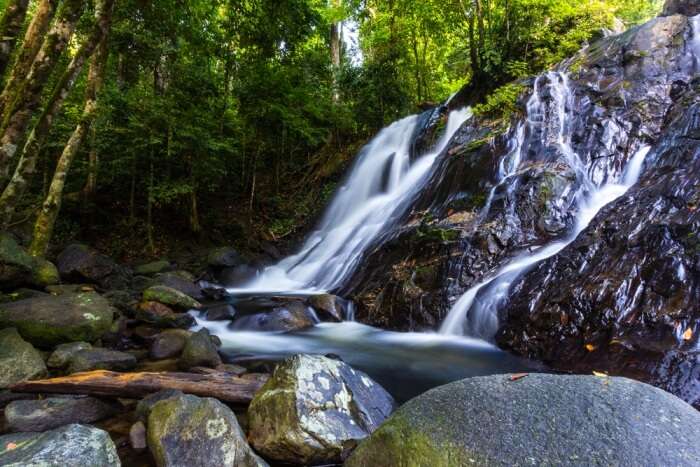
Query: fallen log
pixel 222 386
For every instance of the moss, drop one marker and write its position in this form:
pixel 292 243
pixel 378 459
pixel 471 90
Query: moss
pixel 45 273
pixel 501 103
pixel 436 234
pixel 170 296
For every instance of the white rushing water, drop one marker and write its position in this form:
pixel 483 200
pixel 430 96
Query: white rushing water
pixel 476 312
pixel 381 182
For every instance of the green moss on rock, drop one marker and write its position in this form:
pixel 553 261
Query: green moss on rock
pixel 169 296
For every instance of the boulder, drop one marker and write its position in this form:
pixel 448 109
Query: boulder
pixel 49 321
pixel 537 420
pixel 155 267
pixel 224 312
pixel 681 7
pixel 224 257
pixel 168 344
pixel 47 414
pixel 64 352
pixel 145 405
pixel 188 430
pixel 169 296
pixel 181 281
pixel 236 275
pixel 137 436
pixel 101 359
pixel 69 446
pixel 294 316
pixel 19 361
pixel 199 350
pixel 314 410
pixel 17 267
pixel 162 316
pixel 80 263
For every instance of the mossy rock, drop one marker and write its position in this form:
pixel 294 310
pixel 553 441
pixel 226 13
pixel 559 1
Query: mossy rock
pixel 101 359
pixel 49 321
pixel 156 267
pixel 314 410
pixel 45 273
pixel 536 420
pixel 188 430
pixel 63 353
pixel 19 360
pixel 17 267
pixel 169 296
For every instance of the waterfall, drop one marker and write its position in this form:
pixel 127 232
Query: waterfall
pixel 476 312
pixel 380 185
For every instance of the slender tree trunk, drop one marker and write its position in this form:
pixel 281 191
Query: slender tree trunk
pixel 10 28
pixel 31 44
pixel 46 220
pixel 27 164
pixel 93 167
pixel 149 207
pixel 28 97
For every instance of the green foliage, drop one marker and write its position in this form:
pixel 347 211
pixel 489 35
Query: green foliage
pixel 501 103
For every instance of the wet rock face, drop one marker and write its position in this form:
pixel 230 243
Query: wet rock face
pixel 19 361
pixel 631 304
pixel 186 430
pixel 314 410
pixel 495 421
pixel 681 7
pixel 69 446
pixel 47 414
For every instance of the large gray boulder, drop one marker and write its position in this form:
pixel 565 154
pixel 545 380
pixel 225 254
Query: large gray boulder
pixel 48 321
pixel 54 412
pixel 537 420
pixel 17 267
pixel 81 263
pixel 19 361
pixel 186 431
pixel 314 410
pixel 69 446
pixel 681 7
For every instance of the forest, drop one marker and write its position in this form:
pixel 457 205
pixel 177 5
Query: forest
pixel 359 233
pixel 144 122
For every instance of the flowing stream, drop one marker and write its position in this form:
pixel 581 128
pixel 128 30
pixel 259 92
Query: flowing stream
pixel 376 194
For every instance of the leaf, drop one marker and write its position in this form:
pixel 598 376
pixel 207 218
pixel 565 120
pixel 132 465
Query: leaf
pixel 11 446
pixel 517 376
pixel 590 347
pixel 600 374
pixel 688 334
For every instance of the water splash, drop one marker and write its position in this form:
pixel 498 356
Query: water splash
pixel 476 312
pixel 377 191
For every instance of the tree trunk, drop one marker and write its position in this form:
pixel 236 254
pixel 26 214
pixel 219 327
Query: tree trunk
pixel 10 28
pixel 28 97
pixel 43 229
pixel 335 57
pixel 27 164
pixel 222 386
pixel 31 44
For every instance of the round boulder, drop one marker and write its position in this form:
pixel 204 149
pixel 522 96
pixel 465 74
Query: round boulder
pixel 314 410
pixel 19 361
pixel 187 430
pixel 54 412
pixel 538 419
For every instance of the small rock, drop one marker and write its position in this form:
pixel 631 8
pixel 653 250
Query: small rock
pixel 143 408
pixel 224 257
pixel 199 351
pixel 295 316
pixel 63 353
pixel 156 267
pixel 19 361
pixel 45 273
pixel 49 321
pixel 185 430
pixel 314 410
pixel 137 436
pixel 169 296
pixel 224 312
pixel 68 446
pixel 326 306
pixel 47 414
pixel 162 316
pixel 101 359
pixel 169 344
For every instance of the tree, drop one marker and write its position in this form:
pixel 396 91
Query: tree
pixel 10 27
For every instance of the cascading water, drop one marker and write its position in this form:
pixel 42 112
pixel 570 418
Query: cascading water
pixel 476 312
pixel 382 181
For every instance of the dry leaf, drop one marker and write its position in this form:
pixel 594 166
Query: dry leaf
pixel 11 446
pixel 600 374
pixel 590 347
pixel 688 334
pixel 518 376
